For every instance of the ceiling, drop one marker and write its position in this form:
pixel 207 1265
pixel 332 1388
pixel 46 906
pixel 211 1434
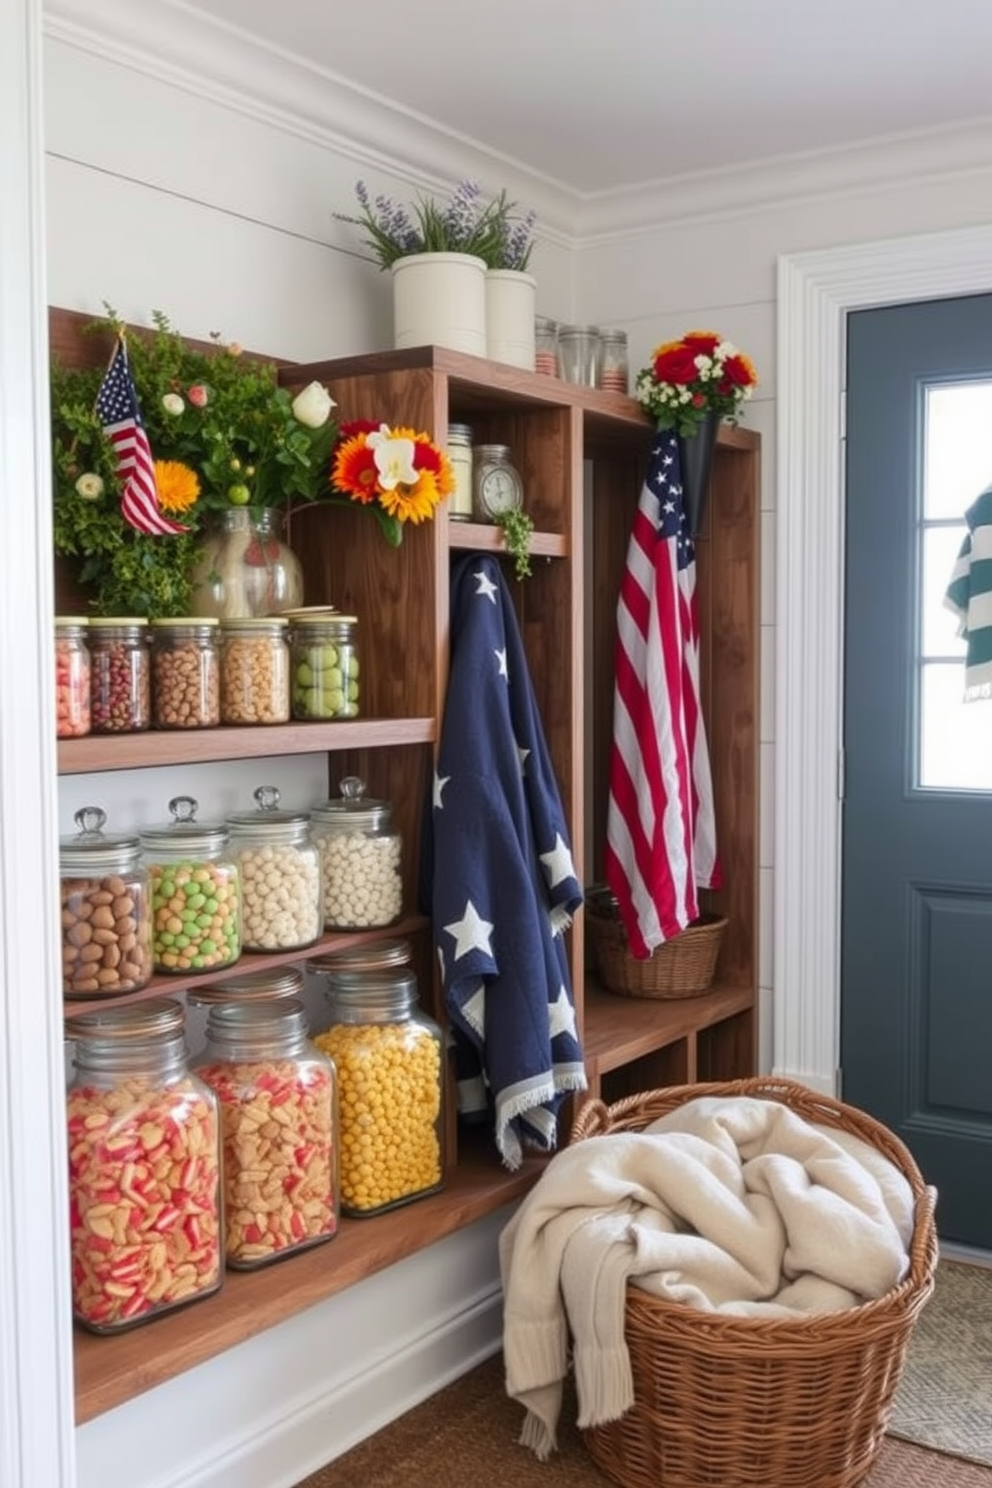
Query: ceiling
pixel 596 96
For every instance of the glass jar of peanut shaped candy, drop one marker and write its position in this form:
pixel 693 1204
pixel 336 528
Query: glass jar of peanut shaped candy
pixel 185 673
pixel 144 1168
pixel 278 1109
pixel 106 913
pixel 281 892
pixel 254 671
pixel 196 892
pixel 387 1053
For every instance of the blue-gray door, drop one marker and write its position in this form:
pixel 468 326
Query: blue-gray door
pixel 916 956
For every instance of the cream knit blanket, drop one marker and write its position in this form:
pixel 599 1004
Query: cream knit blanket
pixel 729 1204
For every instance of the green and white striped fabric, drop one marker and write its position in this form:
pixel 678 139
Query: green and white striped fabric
pixel 969 597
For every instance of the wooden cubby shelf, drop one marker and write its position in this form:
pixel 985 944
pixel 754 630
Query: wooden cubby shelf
pixel 582 455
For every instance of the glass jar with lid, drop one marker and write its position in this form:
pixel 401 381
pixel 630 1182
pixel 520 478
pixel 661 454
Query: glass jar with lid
pixel 460 455
pixel 279 865
pixel 72 677
pixel 185 674
pixel 278 1108
pixel 144 1168
pixel 324 651
pixel 196 892
pixel 106 913
pixel 254 670
pixel 361 859
pixel 497 486
pixel 613 362
pixel 388 1055
pixel 120 689
pixel 579 351
pixel 546 346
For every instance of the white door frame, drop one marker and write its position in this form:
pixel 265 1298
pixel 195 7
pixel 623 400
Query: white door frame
pixel 815 293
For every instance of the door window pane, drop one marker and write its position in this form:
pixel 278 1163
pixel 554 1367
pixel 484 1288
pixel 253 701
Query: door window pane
pixel 954 747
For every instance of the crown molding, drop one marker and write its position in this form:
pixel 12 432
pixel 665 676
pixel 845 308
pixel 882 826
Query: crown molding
pixel 866 167
pixel 173 43
pixel 170 41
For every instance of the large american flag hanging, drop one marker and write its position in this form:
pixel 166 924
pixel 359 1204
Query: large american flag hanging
pixel 118 411
pixel 661 830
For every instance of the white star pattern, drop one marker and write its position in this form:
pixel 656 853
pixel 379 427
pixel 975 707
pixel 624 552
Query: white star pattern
pixel 471 932
pixel 501 658
pixel 474 1009
pixel 523 754
pixel 486 586
pixel 561 1015
pixel 558 863
pixel 440 781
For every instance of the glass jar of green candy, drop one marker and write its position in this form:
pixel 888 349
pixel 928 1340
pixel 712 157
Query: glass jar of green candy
pixel 196 892
pixel 324 666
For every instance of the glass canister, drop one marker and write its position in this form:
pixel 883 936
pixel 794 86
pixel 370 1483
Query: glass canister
pixel 324 666
pixel 254 670
pixel 120 687
pixel 460 455
pixel 196 892
pixel 144 1168
pixel 106 912
pixel 361 859
pixel 579 351
pixel 387 1053
pixel 279 865
pixel 278 1108
pixel 72 677
pixel 246 568
pixel 546 346
pixel 613 362
pixel 185 674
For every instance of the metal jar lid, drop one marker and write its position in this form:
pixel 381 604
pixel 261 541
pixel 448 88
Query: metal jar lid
pixel 375 956
pixel 156 1018
pixel 251 987
pixel 184 833
pixel 92 850
pixel 268 819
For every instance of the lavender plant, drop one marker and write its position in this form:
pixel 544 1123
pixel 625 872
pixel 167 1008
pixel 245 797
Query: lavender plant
pixel 465 222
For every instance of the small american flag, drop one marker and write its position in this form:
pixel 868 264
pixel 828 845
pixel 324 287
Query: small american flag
pixel 661 830
pixel 118 411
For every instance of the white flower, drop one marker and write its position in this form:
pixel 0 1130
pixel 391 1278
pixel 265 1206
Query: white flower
pixel 89 486
pixel 393 458
pixel 313 405
pixel 172 403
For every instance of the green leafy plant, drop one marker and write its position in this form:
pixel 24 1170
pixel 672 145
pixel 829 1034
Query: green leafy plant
pixel 517 527
pixel 464 223
pixel 222 433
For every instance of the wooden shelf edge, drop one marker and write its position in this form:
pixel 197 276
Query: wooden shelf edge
pixel 618 1030
pixel 480 537
pixel 111 1370
pixel 140 751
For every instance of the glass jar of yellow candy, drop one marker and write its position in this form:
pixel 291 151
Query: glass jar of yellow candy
pixel 387 1053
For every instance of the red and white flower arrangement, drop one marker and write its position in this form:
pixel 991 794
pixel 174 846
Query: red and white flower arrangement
pixel 400 472
pixel 701 373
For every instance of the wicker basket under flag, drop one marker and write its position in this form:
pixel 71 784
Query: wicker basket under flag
pixel 751 1402
pixel 682 967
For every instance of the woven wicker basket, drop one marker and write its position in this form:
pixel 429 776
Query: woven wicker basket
pixel 750 1402
pixel 683 967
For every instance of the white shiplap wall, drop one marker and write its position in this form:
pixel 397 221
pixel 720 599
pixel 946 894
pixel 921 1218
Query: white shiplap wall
pixel 211 197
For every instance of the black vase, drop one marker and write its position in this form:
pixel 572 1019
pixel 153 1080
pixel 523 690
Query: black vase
pixel 696 463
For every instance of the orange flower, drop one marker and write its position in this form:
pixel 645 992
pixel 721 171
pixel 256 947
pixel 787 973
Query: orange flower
pixel 178 486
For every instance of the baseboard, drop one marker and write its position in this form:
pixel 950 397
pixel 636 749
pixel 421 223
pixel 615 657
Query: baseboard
pixel 274 1409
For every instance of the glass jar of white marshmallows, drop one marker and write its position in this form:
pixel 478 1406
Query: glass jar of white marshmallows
pixel 361 859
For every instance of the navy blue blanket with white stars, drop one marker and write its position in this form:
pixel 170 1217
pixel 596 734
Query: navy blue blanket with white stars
pixel 500 877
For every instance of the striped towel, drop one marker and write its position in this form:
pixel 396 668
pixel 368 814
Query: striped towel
pixel 969 597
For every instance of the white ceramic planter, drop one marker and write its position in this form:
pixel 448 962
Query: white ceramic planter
pixel 439 299
pixel 510 309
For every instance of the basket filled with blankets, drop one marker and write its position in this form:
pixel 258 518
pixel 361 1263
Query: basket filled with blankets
pixel 732 1271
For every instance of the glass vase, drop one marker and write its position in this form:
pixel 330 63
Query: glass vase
pixel 245 570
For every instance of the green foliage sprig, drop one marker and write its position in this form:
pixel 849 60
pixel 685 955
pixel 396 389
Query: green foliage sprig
pixel 517 527
pixel 228 435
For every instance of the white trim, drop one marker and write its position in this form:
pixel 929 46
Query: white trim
pixel 36 1393
pixel 815 293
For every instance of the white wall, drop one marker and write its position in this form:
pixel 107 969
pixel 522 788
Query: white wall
pixel 213 200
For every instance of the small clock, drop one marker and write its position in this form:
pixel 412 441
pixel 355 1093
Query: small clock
pixel 497 486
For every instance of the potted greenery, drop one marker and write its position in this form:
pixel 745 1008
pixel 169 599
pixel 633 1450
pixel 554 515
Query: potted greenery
pixel 442 255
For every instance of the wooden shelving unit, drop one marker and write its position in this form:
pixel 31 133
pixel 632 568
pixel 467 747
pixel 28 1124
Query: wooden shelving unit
pixel 582 455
